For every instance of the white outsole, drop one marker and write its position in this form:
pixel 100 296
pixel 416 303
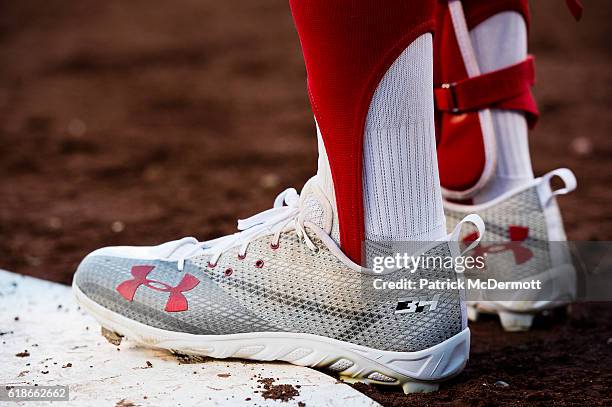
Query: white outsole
pixel 420 371
pixel 511 321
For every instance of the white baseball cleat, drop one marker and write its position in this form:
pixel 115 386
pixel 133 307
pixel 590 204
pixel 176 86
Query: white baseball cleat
pixel 525 241
pixel 280 289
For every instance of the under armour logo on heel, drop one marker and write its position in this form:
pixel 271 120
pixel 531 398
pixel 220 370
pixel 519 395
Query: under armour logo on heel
pixel 176 301
pixel 517 234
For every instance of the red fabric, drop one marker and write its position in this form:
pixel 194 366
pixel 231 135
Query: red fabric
pixel 461 153
pixel 575 7
pixel 508 88
pixel 348 45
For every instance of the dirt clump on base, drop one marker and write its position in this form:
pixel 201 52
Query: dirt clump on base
pixel 282 392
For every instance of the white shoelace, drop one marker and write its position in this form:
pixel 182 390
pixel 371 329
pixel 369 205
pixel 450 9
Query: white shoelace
pixel 283 216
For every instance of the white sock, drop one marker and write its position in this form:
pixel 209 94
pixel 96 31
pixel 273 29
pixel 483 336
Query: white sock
pixel 326 184
pixel 501 41
pixel 401 185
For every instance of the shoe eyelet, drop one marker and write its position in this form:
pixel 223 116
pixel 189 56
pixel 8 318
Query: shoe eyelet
pixel 241 257
pixel 259 264
pixel 274 246
pixel 211 265
pixel 228 271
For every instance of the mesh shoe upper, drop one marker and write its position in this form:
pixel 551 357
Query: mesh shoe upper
pixel 521 210
pixel 290 289
pixel 524 237
pixel 273 288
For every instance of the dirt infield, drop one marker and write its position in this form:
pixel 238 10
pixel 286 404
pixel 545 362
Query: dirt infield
pixel 140 122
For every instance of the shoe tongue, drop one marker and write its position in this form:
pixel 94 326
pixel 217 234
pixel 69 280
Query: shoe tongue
pixel 316 208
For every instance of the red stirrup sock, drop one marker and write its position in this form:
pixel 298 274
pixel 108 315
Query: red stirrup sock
pixel 348 47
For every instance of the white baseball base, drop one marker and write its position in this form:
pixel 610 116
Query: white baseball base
pixel 65 348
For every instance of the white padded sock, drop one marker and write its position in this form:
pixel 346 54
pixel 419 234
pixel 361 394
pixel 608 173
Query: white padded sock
pixel 501 41
pixel 326 184
pixel 401 185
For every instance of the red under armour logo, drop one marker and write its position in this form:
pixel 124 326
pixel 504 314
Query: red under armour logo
pixel 176 301
pixel 517 235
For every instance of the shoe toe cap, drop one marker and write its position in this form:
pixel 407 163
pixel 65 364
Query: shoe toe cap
pixel 102 271
pixel 106 268
pixel 134 288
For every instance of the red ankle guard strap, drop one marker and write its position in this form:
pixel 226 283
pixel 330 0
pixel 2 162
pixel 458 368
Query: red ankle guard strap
pixel 507 88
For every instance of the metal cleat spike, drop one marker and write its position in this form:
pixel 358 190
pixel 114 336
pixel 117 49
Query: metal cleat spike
pixel 112 336
pixel 419 387
pixel 472 313
pixel 352 380
pixel 515 322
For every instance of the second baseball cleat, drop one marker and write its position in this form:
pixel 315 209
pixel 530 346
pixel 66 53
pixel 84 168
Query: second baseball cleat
pixel 281 289
pixel 525 242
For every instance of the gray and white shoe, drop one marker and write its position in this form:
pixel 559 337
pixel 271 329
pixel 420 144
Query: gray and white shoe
pixel 279 289
pixel 525 241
